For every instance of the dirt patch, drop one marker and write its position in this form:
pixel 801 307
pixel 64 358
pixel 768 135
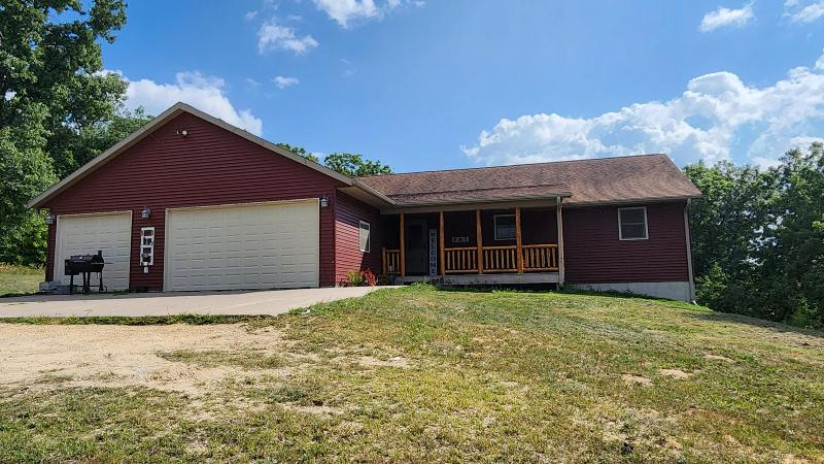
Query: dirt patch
pixel 718 358
pixel 123 356
pixel 677 374
pixel 636 380
pixel 397 361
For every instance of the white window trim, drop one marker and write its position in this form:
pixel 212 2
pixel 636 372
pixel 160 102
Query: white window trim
pixel 495 226
pixel 361 225
pixel 619 218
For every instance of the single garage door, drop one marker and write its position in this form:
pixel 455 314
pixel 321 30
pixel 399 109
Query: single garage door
pixel 243 247
pixel 82 234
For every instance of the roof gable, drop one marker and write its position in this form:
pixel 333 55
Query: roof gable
pixel 155 124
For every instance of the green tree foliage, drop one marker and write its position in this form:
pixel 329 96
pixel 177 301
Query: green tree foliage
pixel 300 151
pixel 758 238
pixel 54 96
pixel 349 164
pixel 354 165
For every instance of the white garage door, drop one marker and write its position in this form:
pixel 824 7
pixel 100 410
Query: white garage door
pixel 242 247
pixel 82 234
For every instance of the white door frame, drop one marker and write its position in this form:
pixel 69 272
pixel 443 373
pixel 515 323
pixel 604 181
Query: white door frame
pixel 166 236
pixel 57 250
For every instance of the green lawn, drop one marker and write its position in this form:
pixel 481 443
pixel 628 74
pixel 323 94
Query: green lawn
pixel 420 375
pixel 19 279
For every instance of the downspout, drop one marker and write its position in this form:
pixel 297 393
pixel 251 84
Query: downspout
pixel 691 287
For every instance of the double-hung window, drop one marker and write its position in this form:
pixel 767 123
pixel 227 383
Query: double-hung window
pixel 633 223
pixel 504 226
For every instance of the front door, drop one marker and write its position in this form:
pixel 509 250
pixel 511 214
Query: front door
pixel 416 238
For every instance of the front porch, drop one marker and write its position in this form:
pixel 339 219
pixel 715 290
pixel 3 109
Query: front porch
pixel 494 244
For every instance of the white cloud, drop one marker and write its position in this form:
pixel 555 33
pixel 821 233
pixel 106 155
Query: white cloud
pixel 716 115
pixel 726 17
pixel 346 12
pixel 203 92
pixel 250 15
pixel 804 13
pixel 283 82
pixel 272 36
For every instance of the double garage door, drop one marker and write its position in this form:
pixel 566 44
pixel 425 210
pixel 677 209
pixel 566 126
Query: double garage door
pixel 233 247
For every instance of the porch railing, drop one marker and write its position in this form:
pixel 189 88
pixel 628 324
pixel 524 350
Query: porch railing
pixel 460 260
pixel 391 261
pixel 540 257
pixel 464 260
pixel 499 258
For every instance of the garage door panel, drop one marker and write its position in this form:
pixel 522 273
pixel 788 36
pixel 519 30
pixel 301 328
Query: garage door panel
pixel 84 234
pixel 243 247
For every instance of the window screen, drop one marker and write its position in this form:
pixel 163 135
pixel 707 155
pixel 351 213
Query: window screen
pixel 632 223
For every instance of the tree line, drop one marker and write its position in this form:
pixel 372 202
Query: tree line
pixel 757 238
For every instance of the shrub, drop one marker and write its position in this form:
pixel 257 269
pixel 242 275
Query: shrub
pixel 355 278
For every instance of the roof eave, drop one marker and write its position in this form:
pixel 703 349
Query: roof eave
pixel 462 201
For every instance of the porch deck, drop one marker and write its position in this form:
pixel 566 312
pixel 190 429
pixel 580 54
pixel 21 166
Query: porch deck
pixel 464 249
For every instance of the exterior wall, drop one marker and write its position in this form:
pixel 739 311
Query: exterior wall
pixel 594 254
pixel 210 166
pixel 348 255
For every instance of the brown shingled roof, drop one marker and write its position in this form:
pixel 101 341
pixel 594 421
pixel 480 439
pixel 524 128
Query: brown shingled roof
pixel 630 178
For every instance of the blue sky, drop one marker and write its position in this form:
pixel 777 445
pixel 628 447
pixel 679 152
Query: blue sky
pixel 451 83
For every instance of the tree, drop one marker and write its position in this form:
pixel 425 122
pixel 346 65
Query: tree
pixel 102 135
pixel 354 165
pixel 757 238
pixel 349 164
pixel 792 252
pixel 52 90
pixel 300 151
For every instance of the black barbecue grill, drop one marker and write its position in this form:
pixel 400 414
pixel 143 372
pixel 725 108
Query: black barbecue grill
pixel 85 265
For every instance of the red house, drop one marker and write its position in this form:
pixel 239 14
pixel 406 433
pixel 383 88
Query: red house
pixel 190 202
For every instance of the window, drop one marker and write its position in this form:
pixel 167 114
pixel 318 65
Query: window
pixel 633 223
pixel 505 226
pixel 364 236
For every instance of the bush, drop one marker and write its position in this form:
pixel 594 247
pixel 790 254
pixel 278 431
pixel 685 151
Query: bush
pixel 359 278
pixel 355 278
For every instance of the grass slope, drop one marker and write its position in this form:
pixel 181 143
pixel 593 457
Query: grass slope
pixel 460 377
pixel 19 279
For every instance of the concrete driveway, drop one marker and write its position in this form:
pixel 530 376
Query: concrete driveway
pixel 271 302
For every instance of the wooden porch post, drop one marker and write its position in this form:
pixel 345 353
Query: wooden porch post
pixel 480 255
pixel 519 257
pixel 560 228
pixel 401 252
pixel 441 242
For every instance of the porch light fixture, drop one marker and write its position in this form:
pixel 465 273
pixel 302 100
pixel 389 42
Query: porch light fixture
pixel 146 212
pixel 324 202
pixel 50 219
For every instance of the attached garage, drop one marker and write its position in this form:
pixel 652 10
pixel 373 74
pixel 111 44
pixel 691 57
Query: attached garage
pixel 189 203
pixel 230 247
pixel 82 234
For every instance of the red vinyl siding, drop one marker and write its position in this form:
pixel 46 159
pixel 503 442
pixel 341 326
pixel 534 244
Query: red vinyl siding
pixel 210 166
pixel 593 252
pixel 348 213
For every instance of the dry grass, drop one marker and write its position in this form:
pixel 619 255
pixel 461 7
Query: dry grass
pixel 420 375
